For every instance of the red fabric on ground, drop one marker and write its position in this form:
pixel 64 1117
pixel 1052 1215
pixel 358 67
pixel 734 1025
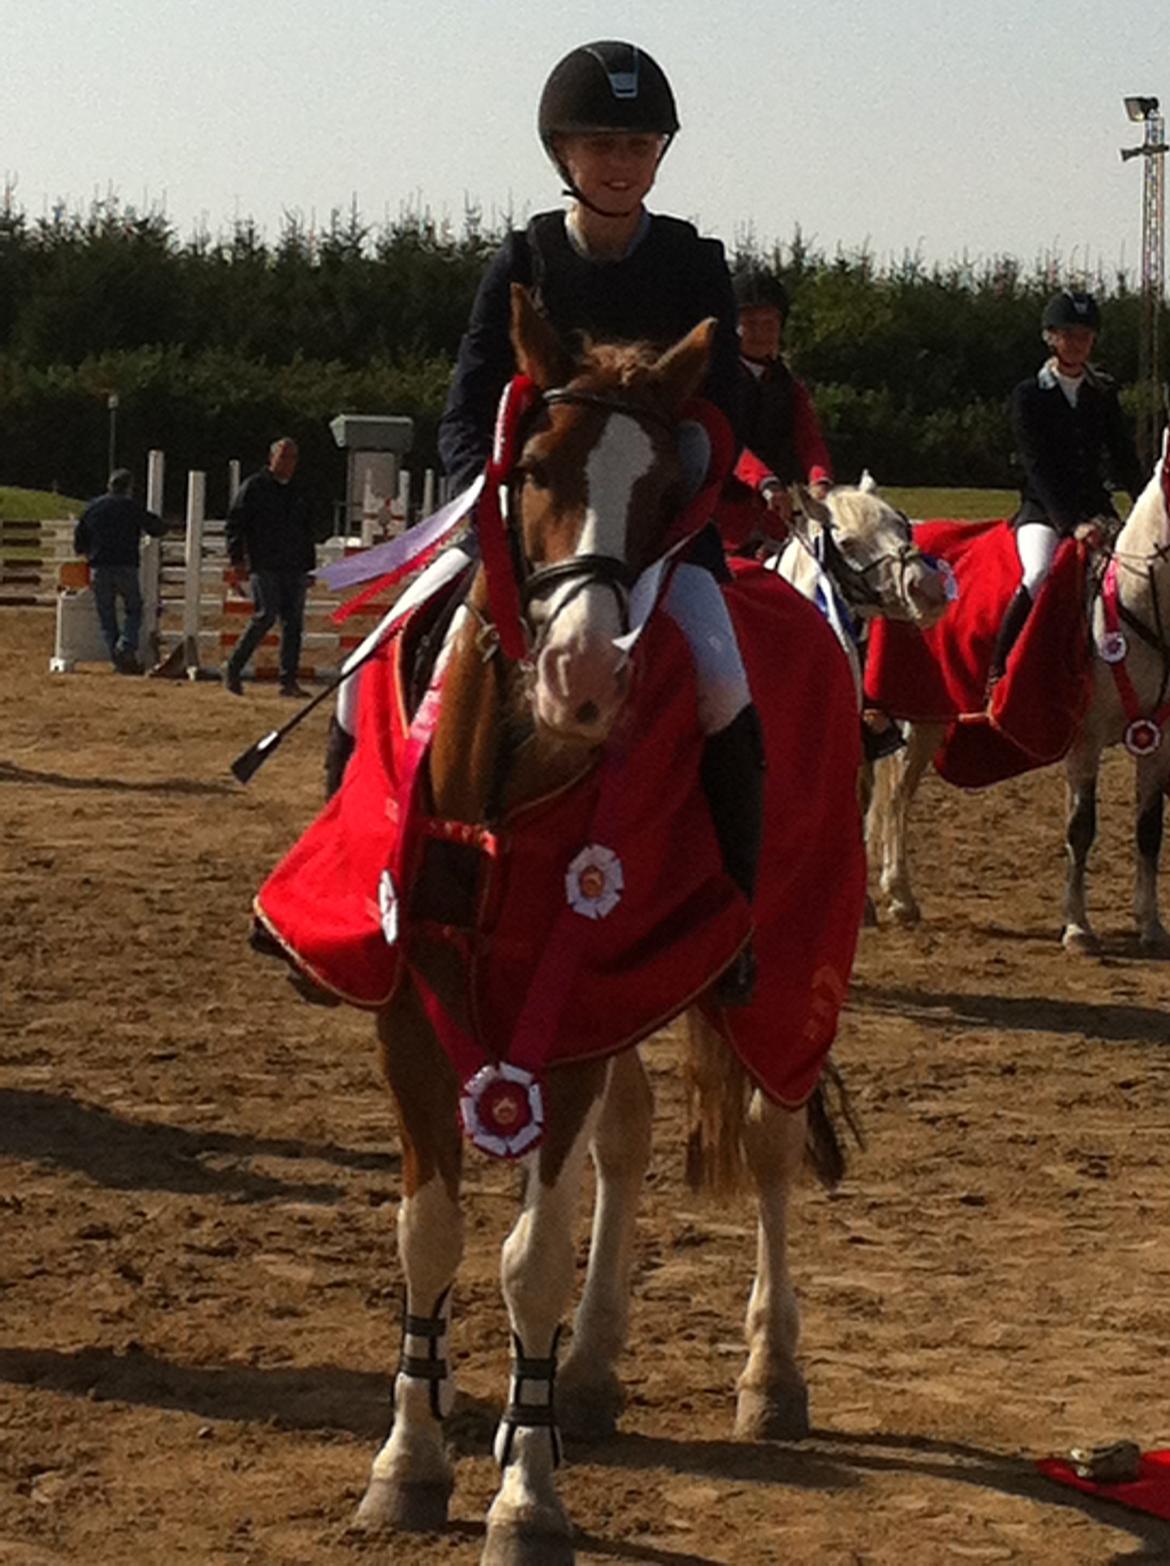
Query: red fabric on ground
pixel 1150 1492
pixel 679 920
pixel 940 675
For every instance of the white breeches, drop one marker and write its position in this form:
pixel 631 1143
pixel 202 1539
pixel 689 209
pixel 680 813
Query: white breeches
pixel 1036 544
pixel 694 601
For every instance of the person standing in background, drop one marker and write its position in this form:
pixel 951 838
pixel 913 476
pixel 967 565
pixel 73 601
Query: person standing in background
pixel 109 535
pixel 271 544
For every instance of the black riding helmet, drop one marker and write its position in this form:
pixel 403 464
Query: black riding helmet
pixel 756 289
pixel 605 86
pixel 1070 308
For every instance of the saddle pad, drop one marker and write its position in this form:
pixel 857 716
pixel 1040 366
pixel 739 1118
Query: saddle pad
pixel 619 876
pixel 940 675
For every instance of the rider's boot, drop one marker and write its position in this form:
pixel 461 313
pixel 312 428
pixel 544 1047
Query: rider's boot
pixel 339 745
pixel 1008 634
pixel 732 773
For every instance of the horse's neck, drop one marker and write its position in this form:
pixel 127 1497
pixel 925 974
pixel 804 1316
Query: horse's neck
pixel 485 758
pixel 1144 531
pixel 1145 536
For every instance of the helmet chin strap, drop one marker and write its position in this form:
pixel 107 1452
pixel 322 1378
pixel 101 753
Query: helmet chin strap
pixel 571 190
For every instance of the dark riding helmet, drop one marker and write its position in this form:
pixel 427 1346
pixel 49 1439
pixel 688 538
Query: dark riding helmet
pixel 1070 308
pixel 756 289
pixel 606 86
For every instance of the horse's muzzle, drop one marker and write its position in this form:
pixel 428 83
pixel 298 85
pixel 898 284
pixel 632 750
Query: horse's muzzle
pixel 580 687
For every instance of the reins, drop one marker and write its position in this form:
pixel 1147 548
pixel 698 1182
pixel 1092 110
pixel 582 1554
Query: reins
pixel 1143 733
pixel 852 579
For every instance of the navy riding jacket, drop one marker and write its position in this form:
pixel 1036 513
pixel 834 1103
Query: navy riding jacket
pixel 1071 456
pixel 659 291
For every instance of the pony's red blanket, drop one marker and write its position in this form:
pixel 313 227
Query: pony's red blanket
pixel 1149 1492
pixel 595 984
pixel 940 675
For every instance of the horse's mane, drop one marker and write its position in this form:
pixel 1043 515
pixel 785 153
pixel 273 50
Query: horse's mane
pixel 617 364
pixel 852 508
pixel 1145 528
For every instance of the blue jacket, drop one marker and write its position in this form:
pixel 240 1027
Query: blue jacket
pixel 667 284
pixel 1071 455
pixel 111 528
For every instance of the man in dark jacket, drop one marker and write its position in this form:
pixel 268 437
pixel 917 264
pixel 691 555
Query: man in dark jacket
pixel 108 535
pixel 1073 443
pixel 270 540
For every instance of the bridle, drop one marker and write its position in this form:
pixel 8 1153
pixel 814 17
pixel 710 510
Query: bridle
pixel 853 580
pixel 581 571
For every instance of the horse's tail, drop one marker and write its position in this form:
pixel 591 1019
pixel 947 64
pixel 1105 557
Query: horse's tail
pixel 719 1092
pixel 829 1105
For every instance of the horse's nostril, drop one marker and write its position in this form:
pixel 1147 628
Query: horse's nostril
pixel 588 712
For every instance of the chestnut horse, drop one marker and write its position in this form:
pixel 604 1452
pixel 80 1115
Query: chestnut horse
pixel 1139 652
pixel 598 478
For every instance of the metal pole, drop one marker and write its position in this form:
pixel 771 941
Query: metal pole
pixel 112 408
pixel 193 572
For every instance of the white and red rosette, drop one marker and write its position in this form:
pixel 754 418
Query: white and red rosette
pixel 502 1109
pixel 594 882
pixel 1113 647
pixel 388 907
pixel 1142 737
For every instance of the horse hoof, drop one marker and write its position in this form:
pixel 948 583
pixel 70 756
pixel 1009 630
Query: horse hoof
pixel 904 911
pixel 1156 943
pixel 588 1410
pixel 506 1545
pixel 1082 943
pixel 777 1415
pixel 387 1507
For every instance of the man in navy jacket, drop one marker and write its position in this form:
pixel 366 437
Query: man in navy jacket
pixel 108 535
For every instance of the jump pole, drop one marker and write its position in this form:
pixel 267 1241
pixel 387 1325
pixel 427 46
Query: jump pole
pixel 193 571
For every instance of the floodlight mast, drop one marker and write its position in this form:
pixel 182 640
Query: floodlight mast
pixel 1153 154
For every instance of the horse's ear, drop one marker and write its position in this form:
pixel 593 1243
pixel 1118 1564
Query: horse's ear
pixel 815 510
pixel 539 351
pixel 681 370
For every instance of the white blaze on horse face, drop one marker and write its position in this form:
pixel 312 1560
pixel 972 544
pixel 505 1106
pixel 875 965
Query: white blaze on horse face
pixel 581 676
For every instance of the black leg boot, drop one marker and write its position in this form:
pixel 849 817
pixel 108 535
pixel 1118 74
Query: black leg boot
pixel 732 774
pixel 338 749
pixel 1008 634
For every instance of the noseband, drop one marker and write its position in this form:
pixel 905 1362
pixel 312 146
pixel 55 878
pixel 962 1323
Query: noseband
pixel 853 580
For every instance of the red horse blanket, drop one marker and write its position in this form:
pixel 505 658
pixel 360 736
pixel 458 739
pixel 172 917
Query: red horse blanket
pixel 940 675
pixel 1149 1492
pixel 603 910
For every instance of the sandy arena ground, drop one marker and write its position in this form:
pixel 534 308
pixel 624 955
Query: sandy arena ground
pixel 198 1286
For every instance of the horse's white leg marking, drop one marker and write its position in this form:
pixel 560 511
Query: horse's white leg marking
pixel 922 741
pixel 589 1394
pixel 527 1524
pixel 1149 786
pixel 411 1478
pixel 771 1401
pixel 1081 777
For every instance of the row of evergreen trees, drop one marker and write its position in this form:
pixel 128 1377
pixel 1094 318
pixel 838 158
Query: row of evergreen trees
pixel 215 344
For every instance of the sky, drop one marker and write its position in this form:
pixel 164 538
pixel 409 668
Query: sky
pixel 950 128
